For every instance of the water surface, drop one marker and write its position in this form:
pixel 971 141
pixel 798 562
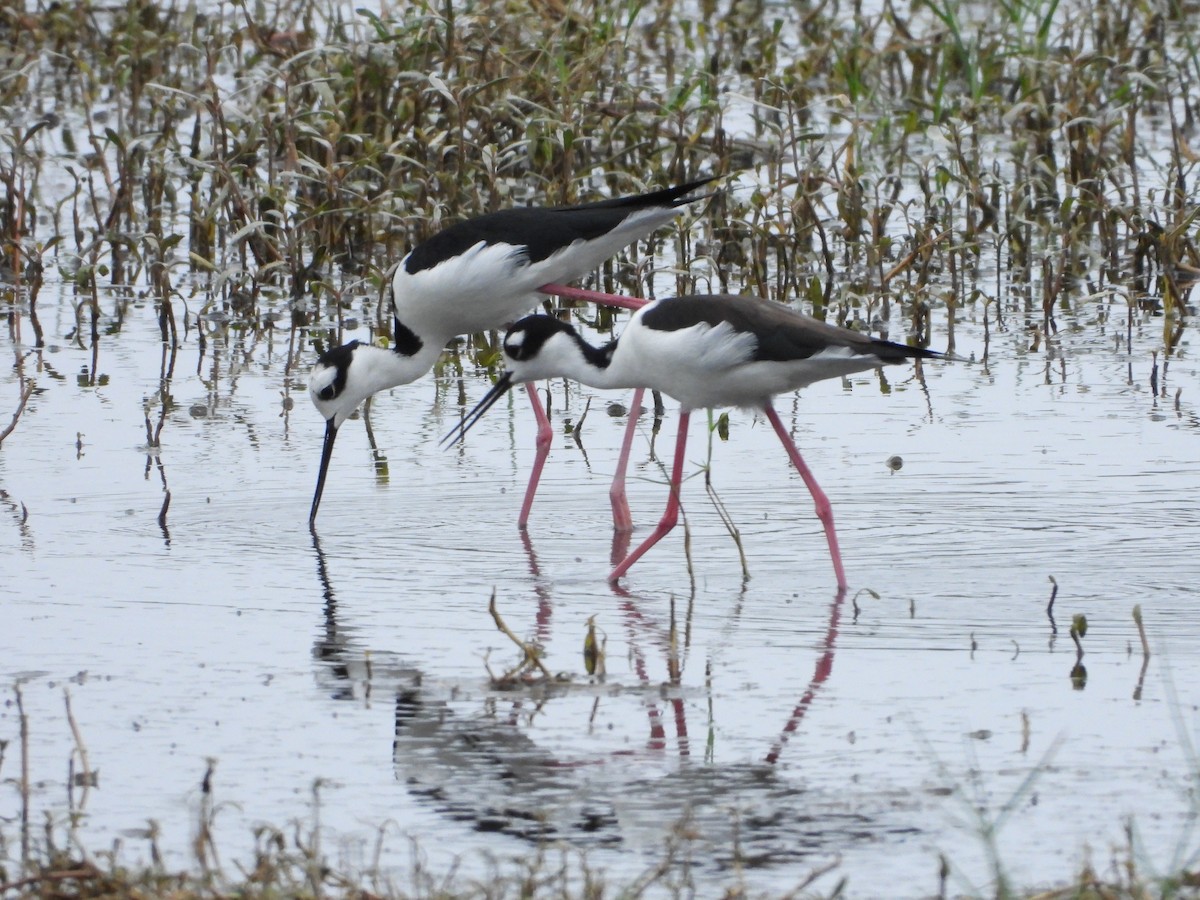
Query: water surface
pixel 789 729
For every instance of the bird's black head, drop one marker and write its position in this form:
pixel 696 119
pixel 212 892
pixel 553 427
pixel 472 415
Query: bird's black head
pixel 328 378
pixel 527 336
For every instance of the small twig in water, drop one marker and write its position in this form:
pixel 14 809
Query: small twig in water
pixel 203 844
pixel 23 721
pixel 727 521
pixel 88 777
pixel 578 429
pixel 531 655
pixel 1078 671
pixel 854 599
pixel 908 260
pixel 1137 618
pixel 25 395
pixel 674 670
pixel 1050 612
pixel 718 505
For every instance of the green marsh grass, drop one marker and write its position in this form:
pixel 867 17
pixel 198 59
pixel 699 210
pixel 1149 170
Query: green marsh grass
pixel 224 162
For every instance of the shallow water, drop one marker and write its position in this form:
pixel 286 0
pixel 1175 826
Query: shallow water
pixel 879 732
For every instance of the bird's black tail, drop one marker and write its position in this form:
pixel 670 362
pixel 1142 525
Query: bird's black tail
pixel 672 196
pixel 891 352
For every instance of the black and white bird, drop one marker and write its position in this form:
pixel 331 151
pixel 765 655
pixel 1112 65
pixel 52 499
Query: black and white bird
pixel 705 351
pixel 479 275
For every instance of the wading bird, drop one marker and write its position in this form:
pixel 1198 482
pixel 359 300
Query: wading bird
pixel 479 275
pixel 706 351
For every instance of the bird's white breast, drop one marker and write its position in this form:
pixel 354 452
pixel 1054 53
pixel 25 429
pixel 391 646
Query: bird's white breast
pixel 490 285
pixel 482 288
pixel 687 364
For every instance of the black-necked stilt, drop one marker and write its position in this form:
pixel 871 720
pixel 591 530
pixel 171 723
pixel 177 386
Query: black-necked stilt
pixel 705 351
pixel 478 275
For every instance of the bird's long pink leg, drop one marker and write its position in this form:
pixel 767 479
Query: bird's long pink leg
pixel 622 520
pixel 824 510
pixel 574 293
pixel 545 434
pixel 671 515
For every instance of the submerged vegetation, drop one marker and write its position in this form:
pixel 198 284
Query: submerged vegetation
pixel 251 169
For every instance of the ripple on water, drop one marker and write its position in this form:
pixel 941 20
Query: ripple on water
pixel 360 658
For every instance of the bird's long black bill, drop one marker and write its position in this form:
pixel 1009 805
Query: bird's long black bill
pixel 499 389
pixel 326 455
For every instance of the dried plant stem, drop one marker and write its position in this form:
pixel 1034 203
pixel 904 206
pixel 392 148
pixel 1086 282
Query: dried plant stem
pixel 203 845
pixel 24 732
pixel 162 513
pixel 80 746
pixel 82 871
pixel 1050 607
pixel 1137 618
pixel 531 655
pixel 908 260
pixel 719 505
pixel 25 395
pixel 727 521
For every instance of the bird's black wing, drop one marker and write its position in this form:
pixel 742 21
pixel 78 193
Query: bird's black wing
pixel 782 333
pixel 542 232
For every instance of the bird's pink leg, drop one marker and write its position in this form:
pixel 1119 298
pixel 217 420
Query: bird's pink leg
pixel 671 515
pixel 824 510
pixel 545 434
pixel 622 520
pixel 574 293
